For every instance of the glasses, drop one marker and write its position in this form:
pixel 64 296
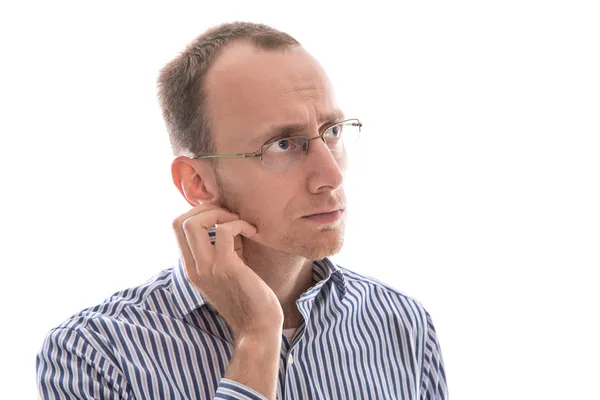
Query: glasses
pixel 282 152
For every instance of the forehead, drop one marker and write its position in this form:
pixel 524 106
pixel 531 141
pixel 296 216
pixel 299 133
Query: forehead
pixel 248 90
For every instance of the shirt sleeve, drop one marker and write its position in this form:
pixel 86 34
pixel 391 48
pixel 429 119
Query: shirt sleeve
pixel 433 382
pixel 69 366
pixel 232 390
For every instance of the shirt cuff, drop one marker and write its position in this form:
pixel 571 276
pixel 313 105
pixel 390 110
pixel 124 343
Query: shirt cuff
pixel 232 390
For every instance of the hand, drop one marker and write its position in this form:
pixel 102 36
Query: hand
pixel 219 272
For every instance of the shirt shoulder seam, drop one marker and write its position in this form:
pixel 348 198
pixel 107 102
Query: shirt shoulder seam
pixel 84 317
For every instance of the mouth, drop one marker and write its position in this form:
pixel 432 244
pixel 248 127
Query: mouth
pixel 325 218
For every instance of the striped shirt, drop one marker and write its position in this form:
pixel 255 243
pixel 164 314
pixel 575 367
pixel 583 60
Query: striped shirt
pixel 358 339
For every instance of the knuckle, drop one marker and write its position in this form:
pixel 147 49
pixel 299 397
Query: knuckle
pixel 188 225
pixel 177 223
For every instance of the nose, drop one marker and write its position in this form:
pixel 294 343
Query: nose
pixel 326 171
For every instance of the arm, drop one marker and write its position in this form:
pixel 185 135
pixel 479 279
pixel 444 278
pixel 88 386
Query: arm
pixel 252 372
pixel 68 366
pixel 433 381
pixel 245 301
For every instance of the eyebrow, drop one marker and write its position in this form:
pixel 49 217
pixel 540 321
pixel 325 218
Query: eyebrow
pixel 288 130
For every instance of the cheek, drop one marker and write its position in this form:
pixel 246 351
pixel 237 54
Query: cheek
pixel 264 197
pixel 271 204
pixel 254 202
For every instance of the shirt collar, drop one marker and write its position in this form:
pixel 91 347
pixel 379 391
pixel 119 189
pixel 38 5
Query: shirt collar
pixel 187 298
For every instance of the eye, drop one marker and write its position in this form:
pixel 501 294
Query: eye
pixel 282 146
pixel 334 132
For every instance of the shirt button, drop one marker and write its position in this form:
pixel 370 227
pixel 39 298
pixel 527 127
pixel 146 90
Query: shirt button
pixel 290 359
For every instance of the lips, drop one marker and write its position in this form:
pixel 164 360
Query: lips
pixel 326 211
pixel 325 218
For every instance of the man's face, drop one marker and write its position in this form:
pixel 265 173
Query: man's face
pixel 249 91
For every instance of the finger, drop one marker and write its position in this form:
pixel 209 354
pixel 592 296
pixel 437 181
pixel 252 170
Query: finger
pixel 178 222
pixel 237 243
pixel 194 211
pixel 237 240
pixel 186 253
pixel 225 244
pixel 238 246
pixel 196 228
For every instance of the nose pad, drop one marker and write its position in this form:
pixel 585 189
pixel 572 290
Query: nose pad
pixel 305 147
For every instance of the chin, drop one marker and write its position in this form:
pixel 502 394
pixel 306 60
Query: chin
pixel 312 244
pixel 321 248
pixel 321 253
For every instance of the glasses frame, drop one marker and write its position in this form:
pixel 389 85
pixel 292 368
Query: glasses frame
pixel 259 152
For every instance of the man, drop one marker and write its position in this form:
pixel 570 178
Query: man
pixel 253 309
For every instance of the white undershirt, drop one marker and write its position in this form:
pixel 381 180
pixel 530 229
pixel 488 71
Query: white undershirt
pixel 289 333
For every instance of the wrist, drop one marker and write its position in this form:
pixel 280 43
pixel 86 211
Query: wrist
pixel 258 341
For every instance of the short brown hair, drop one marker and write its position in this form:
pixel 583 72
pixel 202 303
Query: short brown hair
pixel 181 82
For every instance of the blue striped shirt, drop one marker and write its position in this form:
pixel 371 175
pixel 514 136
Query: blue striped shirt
pixel 358 339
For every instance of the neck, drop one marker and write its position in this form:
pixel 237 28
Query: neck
pixel 289 276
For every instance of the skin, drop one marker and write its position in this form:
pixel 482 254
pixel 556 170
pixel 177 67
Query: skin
pixel 248 91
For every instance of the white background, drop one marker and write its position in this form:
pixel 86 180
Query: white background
pixel 476 188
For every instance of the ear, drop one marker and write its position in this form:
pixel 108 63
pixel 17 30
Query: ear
pixel 195 180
